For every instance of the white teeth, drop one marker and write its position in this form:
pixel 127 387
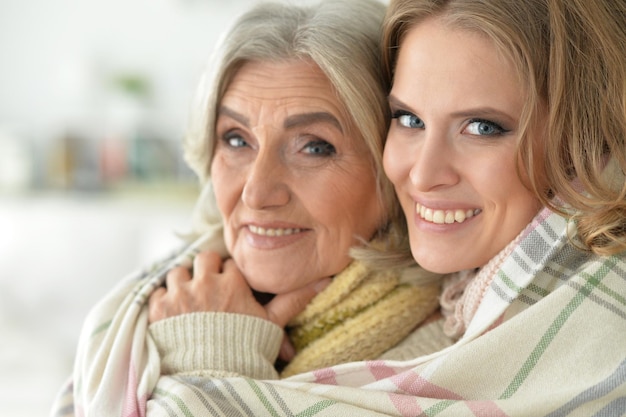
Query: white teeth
pixel 439 216
pixel 444 216
pixel 262 231
pixel 428 215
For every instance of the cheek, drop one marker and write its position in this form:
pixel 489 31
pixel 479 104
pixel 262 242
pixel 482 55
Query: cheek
pixel 528 205
pixel 363 207
pixel 350 206
pixel 224 186
pixel 492 174
pixel 223 190
pixel 508 191
pixel 368 214
pixel 393 161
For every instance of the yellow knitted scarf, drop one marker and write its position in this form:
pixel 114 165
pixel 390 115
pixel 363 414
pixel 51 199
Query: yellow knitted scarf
pixel 359 316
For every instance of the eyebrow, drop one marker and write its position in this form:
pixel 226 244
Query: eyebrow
pixel 302 119
pixel 305 119
pixel 487 112
pixel 395 101
pixel 233 115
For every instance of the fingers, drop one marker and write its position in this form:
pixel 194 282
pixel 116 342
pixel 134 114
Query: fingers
pixel 286 306
pixel 177 276
pixel 206 265
pixel 287 351
pixel 220 287
pixel 230 268
pixel 156 310
pixel 209 289
pixel 158 302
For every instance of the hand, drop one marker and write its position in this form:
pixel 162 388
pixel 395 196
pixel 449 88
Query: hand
pixel 220 287
pixel 215 286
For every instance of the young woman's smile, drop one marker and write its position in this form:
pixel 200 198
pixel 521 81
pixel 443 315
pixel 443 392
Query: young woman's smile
pixel 451 148
pixel 294 181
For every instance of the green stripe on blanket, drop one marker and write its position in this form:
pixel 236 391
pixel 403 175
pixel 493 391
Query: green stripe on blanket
pixel 309 412
pixel 179 402
pixel 439 407
pixel 553 330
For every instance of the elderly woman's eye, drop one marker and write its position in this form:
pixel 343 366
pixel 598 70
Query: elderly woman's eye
pixel 409 120
pixel 234 140
pixel 319 148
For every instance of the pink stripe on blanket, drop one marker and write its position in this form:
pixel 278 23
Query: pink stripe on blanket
pixel 485 408
pixel 380 370
pixel 412 383
pixel 325 376
pixel 496 323
pixel 134 405
pixel 537 221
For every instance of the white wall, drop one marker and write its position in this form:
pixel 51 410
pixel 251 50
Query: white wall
pixel 58 256
pixel 57 54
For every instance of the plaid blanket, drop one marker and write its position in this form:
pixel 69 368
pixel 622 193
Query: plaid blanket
pixel 549 339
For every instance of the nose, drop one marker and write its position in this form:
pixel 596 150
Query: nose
pixel 433 165
pixel 266 182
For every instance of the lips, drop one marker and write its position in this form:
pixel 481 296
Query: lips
pixel 445 216
pixel 266 231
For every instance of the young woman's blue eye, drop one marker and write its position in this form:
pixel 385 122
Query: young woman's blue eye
pixel 482 127
pixel 319 148
pixel 407 119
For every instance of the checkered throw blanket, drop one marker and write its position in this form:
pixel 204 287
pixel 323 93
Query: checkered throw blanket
pixel 549 339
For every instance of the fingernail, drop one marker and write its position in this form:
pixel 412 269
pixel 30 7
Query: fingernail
pixel 287 351
pixel 322 284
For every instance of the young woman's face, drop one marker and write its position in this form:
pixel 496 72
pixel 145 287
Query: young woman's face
pixel 451 148
pixel 294 183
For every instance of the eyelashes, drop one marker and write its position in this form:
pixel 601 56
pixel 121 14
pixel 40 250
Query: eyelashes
pixel 407 119
pixel 483 127
pixel 314 147
pixel 474 127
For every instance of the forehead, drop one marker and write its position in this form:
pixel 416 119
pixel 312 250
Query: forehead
pixel 268 92
pixel 468 64
pixel 284 82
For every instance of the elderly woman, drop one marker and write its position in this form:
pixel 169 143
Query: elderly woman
pixel 292 162
pixel 288 141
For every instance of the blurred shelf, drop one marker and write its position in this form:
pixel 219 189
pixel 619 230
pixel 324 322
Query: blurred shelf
pixel 167 191
pixel 184 191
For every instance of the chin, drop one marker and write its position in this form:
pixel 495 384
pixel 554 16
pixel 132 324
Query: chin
pixel 438 269
pixel 262 285
pixel 438 266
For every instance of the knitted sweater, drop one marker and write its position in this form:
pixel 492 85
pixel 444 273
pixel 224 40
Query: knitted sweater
pixel 360 316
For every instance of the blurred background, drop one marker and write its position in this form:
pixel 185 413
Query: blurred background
pixel 94 97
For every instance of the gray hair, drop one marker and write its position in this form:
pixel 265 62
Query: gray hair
pixel 343 38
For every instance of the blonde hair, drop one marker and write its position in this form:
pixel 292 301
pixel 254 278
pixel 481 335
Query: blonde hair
pixel 570 57
pixel 342 37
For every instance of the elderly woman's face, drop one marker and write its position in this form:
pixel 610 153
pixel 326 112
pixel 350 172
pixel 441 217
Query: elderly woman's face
pixel 451 148
pixel 293 180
